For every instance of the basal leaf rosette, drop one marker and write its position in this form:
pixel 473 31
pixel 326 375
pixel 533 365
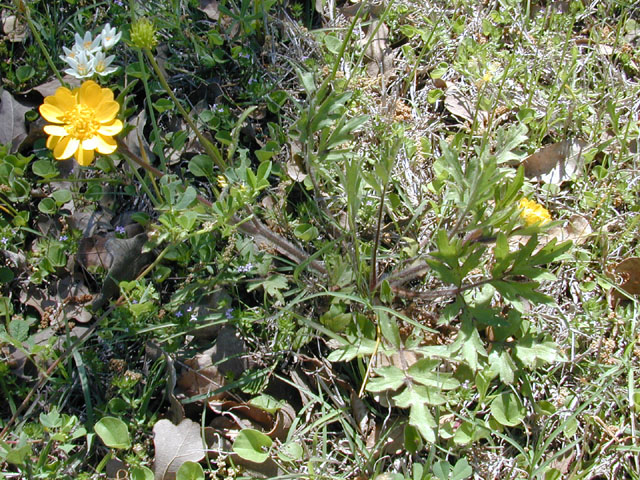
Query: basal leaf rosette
pixel 83 121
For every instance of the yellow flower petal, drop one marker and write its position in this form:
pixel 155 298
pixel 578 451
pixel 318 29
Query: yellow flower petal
pixel 66 147
pixel 106 145
pixel 84 157
pixel 51 113
pixel 64 99
pixel 56 130
pixel 111 129
pixel 90 94
pixel 90 143
pixel 52 141
pixel 107 111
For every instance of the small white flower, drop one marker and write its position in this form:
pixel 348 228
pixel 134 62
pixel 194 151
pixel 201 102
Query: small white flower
pixel 109 36
pixel 82 66
pixel 101 64
pixel 69 53
pixel 88 43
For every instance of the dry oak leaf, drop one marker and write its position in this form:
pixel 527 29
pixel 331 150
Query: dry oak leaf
pixel 628 271
pixel 555 163
pixel 175 444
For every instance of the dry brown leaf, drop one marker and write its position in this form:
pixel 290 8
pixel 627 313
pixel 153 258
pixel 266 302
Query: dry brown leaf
pixel 136 140
pixel 282 424
pixel 210 9
pixel 175 444
pixel 13 129
pixel 122 257
pixel 378 49
pixel 229 353
pixel 61 301
pixel 360 413
pixel 49 88
pixel 13 28
pixel 628 271
pixel 577 230
pixel 555 163
pixel 460 106
pixel 202 377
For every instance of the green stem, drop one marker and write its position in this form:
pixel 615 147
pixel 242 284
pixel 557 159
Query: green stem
pixel 152 114
pixel 211 149
pixel 27 15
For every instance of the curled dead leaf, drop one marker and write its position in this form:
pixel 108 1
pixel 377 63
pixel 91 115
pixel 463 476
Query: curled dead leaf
pixel 457 103
pixel 13 129
pixel 627 275
pixel 555 163
pixel 577 229
pixel 378 49
pixel 13 28
pixel 202 377
pixel 210 8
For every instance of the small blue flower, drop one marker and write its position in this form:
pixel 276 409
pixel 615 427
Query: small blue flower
pixel 63 238
pixel 229 313
pixel 190 309
pixel 120 229
pixel 179 314
pixel 245 268
pixel 4 240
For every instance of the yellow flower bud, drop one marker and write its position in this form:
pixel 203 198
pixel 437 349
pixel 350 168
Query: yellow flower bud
pixel 143 34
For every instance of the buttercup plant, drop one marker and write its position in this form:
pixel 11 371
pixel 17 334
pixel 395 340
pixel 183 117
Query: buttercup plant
pixel 82 121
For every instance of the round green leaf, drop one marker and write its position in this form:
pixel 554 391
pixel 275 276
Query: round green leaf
pixel 6 275
pixel 252 445
pixel 61 196
pixel 47 205
pixel 507 409
pixel 141 473
pixel 44 168
pixel 306 232
pixel 190 471
pixel 24 73
pixel 290 452
pixel 113 432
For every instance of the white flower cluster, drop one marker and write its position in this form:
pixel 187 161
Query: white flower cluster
pixel 88 57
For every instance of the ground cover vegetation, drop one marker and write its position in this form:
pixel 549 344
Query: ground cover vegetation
pixel 319 240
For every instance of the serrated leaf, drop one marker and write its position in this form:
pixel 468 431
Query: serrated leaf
pixel 532 353
pixel 501 363
pixel 389 378
pixel 421 418
pixel 418 394
pixel 424 372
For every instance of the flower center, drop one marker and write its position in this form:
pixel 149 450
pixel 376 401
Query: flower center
pixel 80 122
pixel 99 67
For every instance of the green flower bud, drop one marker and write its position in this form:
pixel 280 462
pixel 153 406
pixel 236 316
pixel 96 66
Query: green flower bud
pixel 143 34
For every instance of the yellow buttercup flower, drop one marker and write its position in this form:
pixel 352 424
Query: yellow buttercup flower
pixel 83 120
pixel 532 212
